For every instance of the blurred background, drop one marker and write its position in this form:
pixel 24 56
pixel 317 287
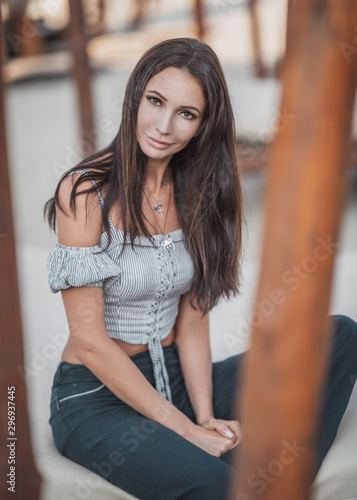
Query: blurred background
pixel 44 128
pixel 65 72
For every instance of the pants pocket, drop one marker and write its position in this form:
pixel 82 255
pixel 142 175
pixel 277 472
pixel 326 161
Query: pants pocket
pixel 74 396
pixel 87 392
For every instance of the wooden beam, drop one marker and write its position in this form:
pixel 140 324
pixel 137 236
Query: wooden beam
pixel 82 73
pixel 3 48
pixel 260 71
pixel 15 436
pixel 285 371
pixel 199 19
pixel 100 29
pixel 24 33
pixel 278 69
pixel 289 20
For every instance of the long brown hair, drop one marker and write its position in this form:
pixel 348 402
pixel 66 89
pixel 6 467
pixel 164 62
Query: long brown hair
pixel 205 173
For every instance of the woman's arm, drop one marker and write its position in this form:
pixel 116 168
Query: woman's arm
pixel 192 338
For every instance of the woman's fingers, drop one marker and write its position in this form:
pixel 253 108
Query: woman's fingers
pixel 227 428
pixel 235 427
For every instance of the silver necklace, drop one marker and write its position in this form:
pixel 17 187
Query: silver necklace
pixel 167 240
pixel 158 207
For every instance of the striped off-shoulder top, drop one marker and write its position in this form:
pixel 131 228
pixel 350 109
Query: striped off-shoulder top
pixel 141 289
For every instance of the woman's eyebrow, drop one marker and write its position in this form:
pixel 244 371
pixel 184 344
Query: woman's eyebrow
pixel 164 99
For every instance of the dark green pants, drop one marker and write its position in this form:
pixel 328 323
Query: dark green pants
pixel 94 428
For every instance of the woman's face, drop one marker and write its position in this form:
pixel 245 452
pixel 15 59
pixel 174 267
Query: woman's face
pixel 170 113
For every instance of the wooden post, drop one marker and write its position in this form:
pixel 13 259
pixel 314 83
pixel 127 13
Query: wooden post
pixel 199 17
pixel 3 49
pixel 256 45
pixel 24 35
pixel 14 425
pixel 82 73
pixel 289 19
pixel 285 370
pixel 288 40
pixel 101 18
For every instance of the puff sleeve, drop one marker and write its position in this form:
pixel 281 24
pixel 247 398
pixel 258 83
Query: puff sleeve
pixel 79 266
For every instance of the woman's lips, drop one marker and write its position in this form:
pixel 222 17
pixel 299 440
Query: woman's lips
pixel 157 144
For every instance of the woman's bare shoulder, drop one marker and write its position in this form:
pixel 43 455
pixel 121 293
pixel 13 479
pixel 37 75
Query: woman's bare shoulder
pixel 82 225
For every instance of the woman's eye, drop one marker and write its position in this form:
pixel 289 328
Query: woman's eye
pixel 154 100
pixel 158 102
pixel 188 115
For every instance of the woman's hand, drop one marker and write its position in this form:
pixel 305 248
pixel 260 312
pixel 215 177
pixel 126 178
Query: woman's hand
pixel 227 428
pixel 210 440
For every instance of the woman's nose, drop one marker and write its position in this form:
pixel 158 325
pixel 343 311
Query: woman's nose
pixel 164 123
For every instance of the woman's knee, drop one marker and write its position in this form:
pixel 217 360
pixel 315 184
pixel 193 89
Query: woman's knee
pixel 345 331
pixel 209 483
pixel 344 344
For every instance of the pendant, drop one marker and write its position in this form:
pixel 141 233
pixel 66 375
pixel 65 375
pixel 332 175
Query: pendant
pixel 159 209
pixel 167 242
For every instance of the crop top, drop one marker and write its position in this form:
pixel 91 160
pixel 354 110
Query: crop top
pixel 141 290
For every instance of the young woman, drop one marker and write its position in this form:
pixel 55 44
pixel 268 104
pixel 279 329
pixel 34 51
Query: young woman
pixel 145 250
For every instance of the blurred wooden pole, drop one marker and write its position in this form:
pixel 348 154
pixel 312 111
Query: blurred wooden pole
pixel 279 65
pixel 285 371
pixel 101 18
pixel 24 34
pixel 199 17
pixel 15 441
pixel 256 44
pixel 289 20
pixel 82 73
pixel 3 50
